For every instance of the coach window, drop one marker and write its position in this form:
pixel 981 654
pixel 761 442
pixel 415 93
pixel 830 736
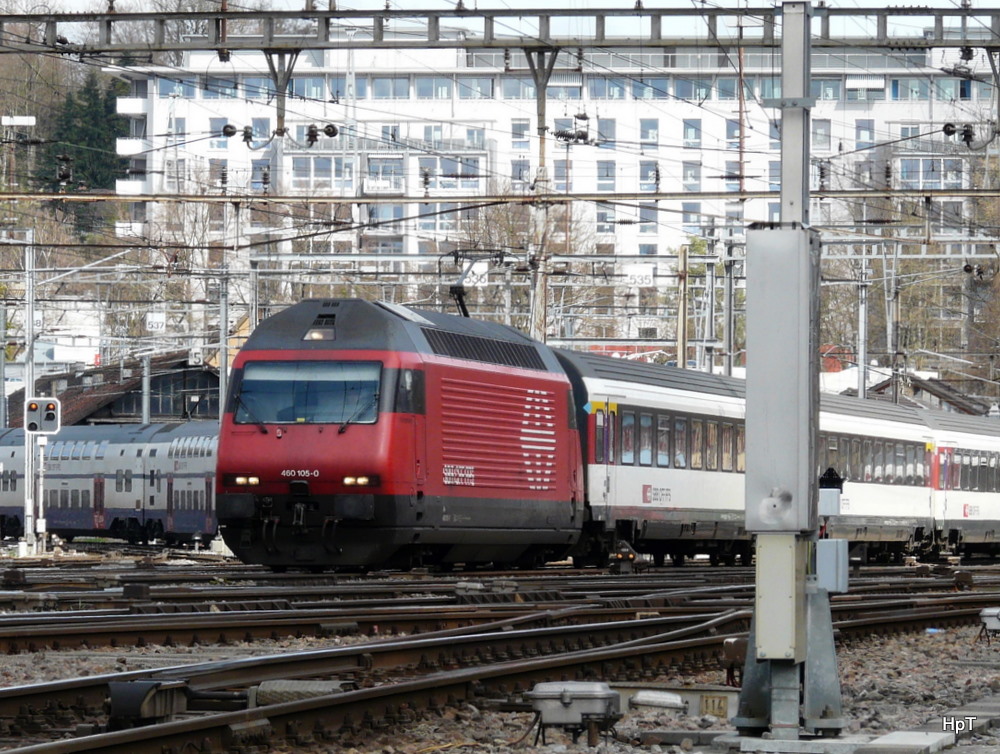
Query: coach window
pixel 85 498
pixel 101 450
pixel 74 498
pixel 900 473
pixel 77 451
pixel 856 469
pixel 697 443
pixel 943 474
pixel 741 448
pixel 599 436
pixel 128 480
pixel 645 439
pixel 119 480
pixel 878 471
pixel 663 442
pixel 712 446
pixel 993 472
pixel 628 438
pixel 727 447
pixel 680 443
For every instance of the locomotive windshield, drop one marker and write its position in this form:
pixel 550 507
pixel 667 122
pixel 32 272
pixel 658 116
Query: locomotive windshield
pixel 308 392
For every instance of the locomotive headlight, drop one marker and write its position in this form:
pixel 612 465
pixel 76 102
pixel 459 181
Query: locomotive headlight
pixel 244 480
pixel 361 481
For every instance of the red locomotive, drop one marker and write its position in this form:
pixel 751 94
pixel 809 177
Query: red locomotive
pixel 362 434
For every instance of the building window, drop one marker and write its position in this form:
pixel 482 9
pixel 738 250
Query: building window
pixel 432 87
pixel 216 87
pixel 774 133
pixel 732 134
pixel 260 175
pixel 520 172
pixel 864 133
pixel 651 88
pixel 215 126
pixel 909 89
pixel 821 134
pixel 605 175
pixel 774 175
pixel 606 88
pixel 694 90
pixel 826 89
pixel 647 250
pixel 390 87
pixel 308 87
pixel 691 176
pixel 475 87
pixel 261 131
pixel 647 217
pixel 255 87
pixel 692 132
pixel 518 88
pixel 606 133
pixel 340 88
pixel 732 175
pixel 519 133
pixel 605 218
pixel 691 217
pixel 183 88
pixel 560 174
pixel 726 88
pixel 649 133
pixel 649 175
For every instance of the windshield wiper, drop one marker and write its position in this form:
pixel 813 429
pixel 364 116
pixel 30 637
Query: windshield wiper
pixel 253 417
pixel 357 413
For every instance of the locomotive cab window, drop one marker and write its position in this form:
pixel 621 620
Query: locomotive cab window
pixel 308 392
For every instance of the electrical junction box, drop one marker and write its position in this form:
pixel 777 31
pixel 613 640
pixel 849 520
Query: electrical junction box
pixel 780 602
pixel 832 564
pixel 782 385
pixel 829 502
pixel 574 703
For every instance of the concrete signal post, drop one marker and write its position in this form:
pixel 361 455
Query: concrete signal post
pixel 42 417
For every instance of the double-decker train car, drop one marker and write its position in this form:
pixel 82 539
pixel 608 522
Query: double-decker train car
pixel 367 434
pixel 363 435
pixel 138 482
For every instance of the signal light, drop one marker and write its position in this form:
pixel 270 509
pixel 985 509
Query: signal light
pixel 42 416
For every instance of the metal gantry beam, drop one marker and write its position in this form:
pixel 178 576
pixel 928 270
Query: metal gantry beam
pixel 477 29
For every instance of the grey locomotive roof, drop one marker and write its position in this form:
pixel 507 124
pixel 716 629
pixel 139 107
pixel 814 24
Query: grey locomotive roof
pixel 364 325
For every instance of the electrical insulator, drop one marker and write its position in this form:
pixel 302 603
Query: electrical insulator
pixel 968 134
pixel 425 178
pixel 824 174
pixel 949 129
pixel 656 176
pixel 229 130
pixel 224 175
pixel 888 176
pixel 247 134
pixel 312 134
pixel 265 177
pixel 330 130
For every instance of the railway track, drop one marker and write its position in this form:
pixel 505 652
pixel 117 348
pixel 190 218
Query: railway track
pixel 389 681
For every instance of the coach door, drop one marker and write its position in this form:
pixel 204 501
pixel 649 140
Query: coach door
pixel 170 502
pixel 99 522
pixel 602 465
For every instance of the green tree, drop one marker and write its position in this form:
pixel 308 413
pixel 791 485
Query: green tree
pixel 81 153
